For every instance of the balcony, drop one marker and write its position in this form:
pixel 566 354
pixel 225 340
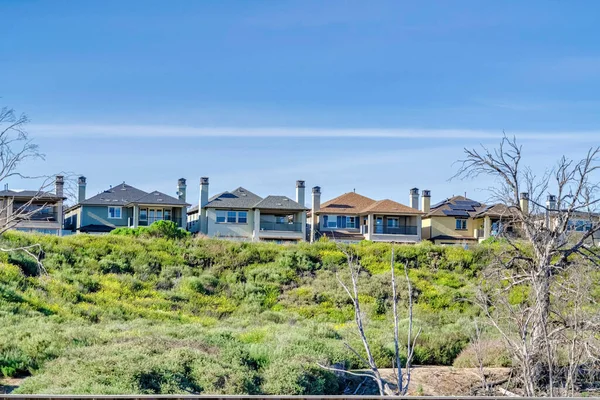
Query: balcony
pixel 391 230
pixel 150 220
pixel 281 226
pixel 32 215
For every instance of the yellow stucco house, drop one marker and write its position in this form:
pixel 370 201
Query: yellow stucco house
pixel 460 220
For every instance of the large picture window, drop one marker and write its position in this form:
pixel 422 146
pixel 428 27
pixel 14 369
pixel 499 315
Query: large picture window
pixel 232 217
pixel 114 212
pixel 339 221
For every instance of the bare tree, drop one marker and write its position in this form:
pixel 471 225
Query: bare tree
pixel 547 249
pixel 16 148
pixel 401 375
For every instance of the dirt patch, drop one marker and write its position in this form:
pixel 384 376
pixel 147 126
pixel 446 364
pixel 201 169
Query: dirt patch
pixel 434 381
pixel 7 385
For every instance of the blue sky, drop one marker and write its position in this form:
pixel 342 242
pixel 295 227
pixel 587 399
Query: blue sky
pixel 373 96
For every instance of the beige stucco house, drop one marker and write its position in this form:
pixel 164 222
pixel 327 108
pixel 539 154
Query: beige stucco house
pixel 352 217
pixel 243 215
pixel 36 211
pixel 460 220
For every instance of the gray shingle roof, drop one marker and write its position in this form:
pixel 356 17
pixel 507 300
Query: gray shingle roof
pixel 119 196
pixel 239 198
pixel 157 197
pixel 29 194
pixel 279 203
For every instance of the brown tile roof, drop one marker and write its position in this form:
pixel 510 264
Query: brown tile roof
pixel 353 203
pixel 497 211
pixel 348 203
pixel 390 207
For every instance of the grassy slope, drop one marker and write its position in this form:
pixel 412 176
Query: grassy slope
pixel 121 314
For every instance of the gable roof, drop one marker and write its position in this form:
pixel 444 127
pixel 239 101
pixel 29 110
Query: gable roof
pixel 348 203
pixel 118 195
pixel 388 206
pixel 457 206
pixel 157 197
pixel 497 211
pixel 279 203
pixel 354 203
pixel 239 198
pixel 29 194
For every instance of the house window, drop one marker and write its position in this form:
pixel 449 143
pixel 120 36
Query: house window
pixel 461 224
pixel 350 222
pixel 231 217
pixel 167 215
pixel 393 222
pixel 144 214
pixel 114 212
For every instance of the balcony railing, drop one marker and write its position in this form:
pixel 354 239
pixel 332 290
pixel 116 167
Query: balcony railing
pixel 391 230
pixel 150 220
pixel 38 216
pixel 281 226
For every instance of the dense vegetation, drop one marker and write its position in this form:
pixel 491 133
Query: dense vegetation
pixel 145 314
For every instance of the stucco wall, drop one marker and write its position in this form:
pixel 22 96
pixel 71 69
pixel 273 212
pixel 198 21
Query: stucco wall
pixel 447 226
pixel 227 229
pixel 98 215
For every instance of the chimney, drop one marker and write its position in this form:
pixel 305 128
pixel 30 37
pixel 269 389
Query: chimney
pixel 551 202
pixel 181 189
pixel 316 206
pixel 524 203
pixel 59 185
pixel 81 186
pixel 426 201
pixel 300 192
pixel 414 198
pixel 203 201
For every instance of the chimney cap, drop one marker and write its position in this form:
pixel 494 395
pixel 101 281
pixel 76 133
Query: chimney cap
pixel 316 189
pixel 525 196
pixel 426 193
pixel 181 181
pixel 414 191
pixel 60 179
pixel 204 180
pixel 551 197
pixel 81 180
pixel 300 184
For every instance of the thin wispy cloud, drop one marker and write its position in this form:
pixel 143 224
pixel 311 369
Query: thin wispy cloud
pixel 158 131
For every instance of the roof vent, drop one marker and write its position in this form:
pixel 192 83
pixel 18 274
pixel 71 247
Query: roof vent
pixel 279 204
pixel 156 193
pixel 244 194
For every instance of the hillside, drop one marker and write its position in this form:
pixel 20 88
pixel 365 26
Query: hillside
pixel 122 314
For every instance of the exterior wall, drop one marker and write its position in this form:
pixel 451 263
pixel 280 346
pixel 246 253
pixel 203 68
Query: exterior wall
pixel 395 238
pixel 229 229
pixel 357 220
pixel 447 226
pixel 426 228
pixel 98 215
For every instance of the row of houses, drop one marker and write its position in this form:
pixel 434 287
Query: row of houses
pixel 243 215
